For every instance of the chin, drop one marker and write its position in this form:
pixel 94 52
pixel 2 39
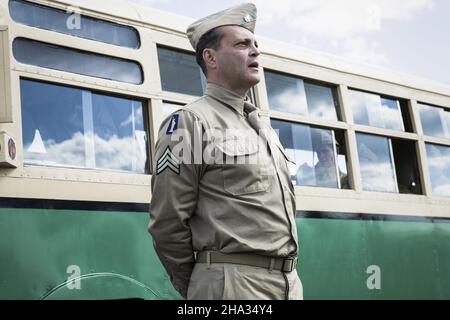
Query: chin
pixel 254 80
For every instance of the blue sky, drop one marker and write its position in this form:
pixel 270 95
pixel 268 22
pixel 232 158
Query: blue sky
pixel 410 36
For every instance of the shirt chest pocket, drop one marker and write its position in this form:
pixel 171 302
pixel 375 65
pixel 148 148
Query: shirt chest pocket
pixel 244 167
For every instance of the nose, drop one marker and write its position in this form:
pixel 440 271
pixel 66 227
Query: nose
pixel 255 51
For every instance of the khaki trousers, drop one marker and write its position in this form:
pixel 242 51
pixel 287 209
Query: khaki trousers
pixel 224 281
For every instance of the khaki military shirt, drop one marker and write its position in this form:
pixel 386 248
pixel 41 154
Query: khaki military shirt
pixel 327 177
pixel 218 185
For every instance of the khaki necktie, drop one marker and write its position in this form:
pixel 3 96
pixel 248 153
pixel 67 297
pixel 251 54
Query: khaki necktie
pixel 254 119
pixel 252 114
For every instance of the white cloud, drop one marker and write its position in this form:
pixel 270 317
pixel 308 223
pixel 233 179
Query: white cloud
pixel 343 26
pixel 378 177
pixel 337 19
pixel 114 153
pixel 290 100
pixel 439 168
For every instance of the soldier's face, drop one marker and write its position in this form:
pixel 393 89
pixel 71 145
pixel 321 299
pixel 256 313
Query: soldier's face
pixel 325 154
pixel 237 58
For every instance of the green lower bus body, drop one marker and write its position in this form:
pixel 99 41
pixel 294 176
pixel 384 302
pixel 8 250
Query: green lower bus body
pixel 79 254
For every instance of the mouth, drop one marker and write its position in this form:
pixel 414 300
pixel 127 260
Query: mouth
pixel 254 65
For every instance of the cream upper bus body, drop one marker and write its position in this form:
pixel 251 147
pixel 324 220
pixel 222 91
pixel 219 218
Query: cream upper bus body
pixel 156 30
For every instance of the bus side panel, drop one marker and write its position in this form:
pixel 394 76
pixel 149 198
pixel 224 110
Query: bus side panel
pixel 365 259
pixel 43 251
pixel 443 257
pixel 405 253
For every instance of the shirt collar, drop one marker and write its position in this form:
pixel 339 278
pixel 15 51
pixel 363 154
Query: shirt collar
pixel 226 97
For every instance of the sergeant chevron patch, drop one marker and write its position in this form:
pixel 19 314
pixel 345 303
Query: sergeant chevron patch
pixel 168 160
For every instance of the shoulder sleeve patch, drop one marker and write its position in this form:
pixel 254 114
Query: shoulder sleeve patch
pixel 173 124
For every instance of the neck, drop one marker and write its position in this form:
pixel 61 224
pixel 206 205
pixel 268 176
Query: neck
pixel 236 90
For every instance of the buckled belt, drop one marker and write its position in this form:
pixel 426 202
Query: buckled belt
pixel 287 264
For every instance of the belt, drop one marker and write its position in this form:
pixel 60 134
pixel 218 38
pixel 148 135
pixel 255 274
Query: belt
pixel 287 264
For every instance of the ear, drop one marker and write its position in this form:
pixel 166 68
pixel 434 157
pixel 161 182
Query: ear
pixel 209 56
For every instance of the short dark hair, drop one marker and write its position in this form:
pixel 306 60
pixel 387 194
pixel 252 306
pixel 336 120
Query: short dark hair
pixel 212 40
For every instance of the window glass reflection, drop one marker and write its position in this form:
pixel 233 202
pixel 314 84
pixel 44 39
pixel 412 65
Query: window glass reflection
pixel 286 94
pixel 81 62
pixel 48 137
pixel 439 168
pixel 435 121
pixel 293 95
pixel 119 135
pixel 316 152
pixel 376 163
pixel 447 122
pixel 179 72
pixel 321 102
pixel 373 110
pixel 47 18
pixel 251 95
pixel 390 109
pixel 72 127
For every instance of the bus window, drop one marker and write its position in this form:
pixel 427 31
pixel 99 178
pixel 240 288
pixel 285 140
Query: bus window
pixel 388 164
pixel 377 111
pixel 376 163
pixel 294 95
pixel 322 102
pixel 251 95
pixel 439 168
pixel 435 121
pixel 39 16
pixel 51 56
pixel 319 155
pixel 71 127
pixel 179 72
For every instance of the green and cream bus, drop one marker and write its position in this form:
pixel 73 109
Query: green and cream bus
pixel 84 86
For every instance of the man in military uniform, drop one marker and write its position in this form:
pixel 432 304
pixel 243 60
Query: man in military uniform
pixel 325 169
pixel 223 205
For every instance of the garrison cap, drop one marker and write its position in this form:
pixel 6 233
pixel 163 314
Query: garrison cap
pixel 324 138
pixel 243 15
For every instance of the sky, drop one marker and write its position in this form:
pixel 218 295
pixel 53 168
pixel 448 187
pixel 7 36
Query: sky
pixel 410 36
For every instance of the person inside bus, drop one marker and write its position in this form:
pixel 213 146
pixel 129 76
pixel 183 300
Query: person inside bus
pixel 225 231
pixel 324 173
pixel 326 168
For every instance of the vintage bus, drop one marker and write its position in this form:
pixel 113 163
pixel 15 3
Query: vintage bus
pixel 84 86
